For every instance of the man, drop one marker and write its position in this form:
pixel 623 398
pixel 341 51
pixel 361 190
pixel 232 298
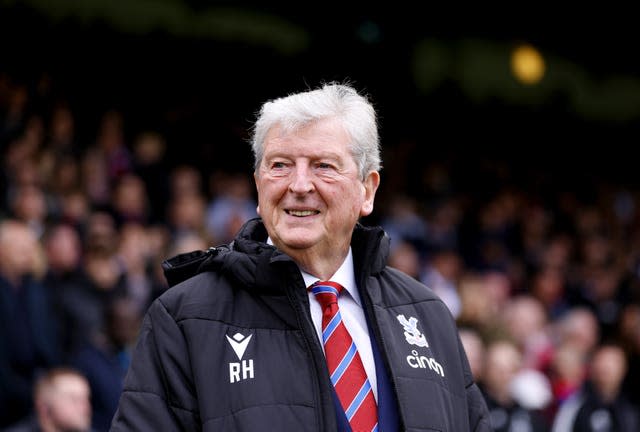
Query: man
pixel 62 403
pixel 29 324
pixel 601 404
pixel 104 360
pixel 253 342
pixel 502 365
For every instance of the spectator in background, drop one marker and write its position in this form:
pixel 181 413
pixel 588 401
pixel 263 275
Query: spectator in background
pixel 23 158
pixel 110 144
pixel 474 347
pixel 105 359
pixel 548 286
pixel 159 240
pixel 29 338
pixel 107 160
pixel 101 233
pixel 402 222
pixel 600 406
pixel 575 336
pixel 16 111
pixel 184 180
pixel 578 328
pixel 477 308
pixel 602 276
pixel 404 257
pixel 150 165
pixel 58 157
pixel 441 274
pixel 95 184
pixel 65 176
pixel 74 209
pixel 484 297
pixel 525 320
pixel 558 253
pixel 443 226
pixel 65 281
pixel 630 341
pixel 186 213
pixel 29 205
pixel 62 131
pixel 101 278
pixel 232 205
pixel 502 363
pixel 134 256
pixel 567 372
pixel 494 240
pixel 129 200
pixel 61 398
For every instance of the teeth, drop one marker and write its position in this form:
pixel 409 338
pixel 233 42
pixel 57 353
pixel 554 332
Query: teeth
pixel 301 213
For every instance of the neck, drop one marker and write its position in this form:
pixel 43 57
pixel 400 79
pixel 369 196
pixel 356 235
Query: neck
pixel 322 267
pixel 14 278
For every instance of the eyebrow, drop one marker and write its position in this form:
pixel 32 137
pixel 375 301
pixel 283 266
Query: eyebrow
pixel 319 155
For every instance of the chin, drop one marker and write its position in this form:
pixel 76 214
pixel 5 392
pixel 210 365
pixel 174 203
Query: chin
pixel 298 239
pixel 297 243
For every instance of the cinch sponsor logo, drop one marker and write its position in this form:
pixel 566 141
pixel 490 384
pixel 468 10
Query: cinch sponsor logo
pixel 413 336
pixel 243 369
pixel 423 362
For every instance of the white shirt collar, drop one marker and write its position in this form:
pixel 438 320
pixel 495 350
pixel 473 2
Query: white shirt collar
pixel 345 276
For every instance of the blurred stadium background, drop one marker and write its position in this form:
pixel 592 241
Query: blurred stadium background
pixel 510 180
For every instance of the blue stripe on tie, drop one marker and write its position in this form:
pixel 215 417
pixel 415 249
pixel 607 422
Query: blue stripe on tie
pixel 344 364
pixel 333 324
pixel 357 401
pixel 375 428
pixel 324 289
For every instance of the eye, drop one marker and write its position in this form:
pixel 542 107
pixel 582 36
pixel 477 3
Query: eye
pixel 324 165
pixel 277 165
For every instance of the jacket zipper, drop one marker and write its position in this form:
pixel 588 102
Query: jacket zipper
pixel 384 349
pixel 304 327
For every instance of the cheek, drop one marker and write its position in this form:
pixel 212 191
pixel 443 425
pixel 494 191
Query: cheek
pixel 348 202
pixel 269 194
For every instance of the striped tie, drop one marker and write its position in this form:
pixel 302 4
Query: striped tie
pixel 345 366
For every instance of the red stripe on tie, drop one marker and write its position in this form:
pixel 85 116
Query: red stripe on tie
pixel 345 368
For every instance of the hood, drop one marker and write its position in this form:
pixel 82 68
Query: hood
pixel 250 260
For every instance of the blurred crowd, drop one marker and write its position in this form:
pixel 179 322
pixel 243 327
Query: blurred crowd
pixel 543 281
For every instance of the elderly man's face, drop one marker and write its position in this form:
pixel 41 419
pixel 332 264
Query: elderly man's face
pixel 310 192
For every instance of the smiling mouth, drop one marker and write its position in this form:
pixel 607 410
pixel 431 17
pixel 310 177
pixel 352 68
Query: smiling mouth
pixel 302 213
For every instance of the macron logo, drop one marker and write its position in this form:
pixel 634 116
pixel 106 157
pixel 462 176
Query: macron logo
pixel 243 369
pixel 239 343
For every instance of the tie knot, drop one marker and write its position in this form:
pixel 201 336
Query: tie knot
pixel 326 292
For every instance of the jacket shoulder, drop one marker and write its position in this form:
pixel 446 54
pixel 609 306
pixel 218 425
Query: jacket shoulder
pixel 199 296
pixel 404 288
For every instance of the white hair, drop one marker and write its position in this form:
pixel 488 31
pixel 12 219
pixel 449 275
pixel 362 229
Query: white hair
pixel 333 100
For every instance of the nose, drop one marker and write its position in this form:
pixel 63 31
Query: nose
pixel 301 180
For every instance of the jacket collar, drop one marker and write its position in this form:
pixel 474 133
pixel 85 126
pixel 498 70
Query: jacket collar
pixel 253 262
pixel 370 246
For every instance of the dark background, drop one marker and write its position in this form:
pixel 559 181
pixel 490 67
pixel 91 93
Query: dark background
pixel 203 92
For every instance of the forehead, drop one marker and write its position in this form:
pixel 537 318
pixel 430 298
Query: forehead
pixel 71 383
pixel 325 135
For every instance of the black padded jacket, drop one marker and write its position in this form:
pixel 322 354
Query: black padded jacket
pixel 233 348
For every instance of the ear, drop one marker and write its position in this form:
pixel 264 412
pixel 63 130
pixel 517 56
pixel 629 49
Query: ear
pixel 255 180
pixel 370 185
